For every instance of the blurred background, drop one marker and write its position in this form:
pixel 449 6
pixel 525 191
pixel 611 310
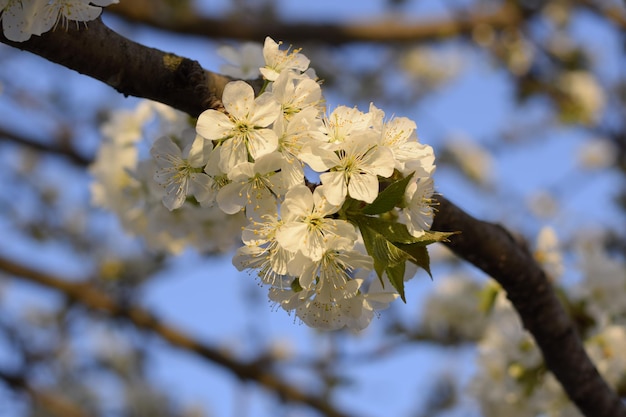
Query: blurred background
pixel 523 103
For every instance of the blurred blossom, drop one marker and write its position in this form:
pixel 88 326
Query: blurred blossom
pixel 431 66
pixel 606 349
pixel 584 97
pixel 507 361
pixel 483 35
pixel 281 349
pixel 519 57
pixel 543 204
pixel 474 160
pixel 558 12
pixel 603 285
pixel 597 154
pixel 453 310
pixel 243 60
pixel 548 253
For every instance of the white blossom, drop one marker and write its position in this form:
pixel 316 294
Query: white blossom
pixel 245 130
pixel 243 61
pixel 353 168
pixel 307 227
pixel 277 60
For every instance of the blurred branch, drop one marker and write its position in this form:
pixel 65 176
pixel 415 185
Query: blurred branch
pixel 614 14
pixel 493 249
pixel 52 403
pixel 391 29
pixel 71 154
pixel 94 299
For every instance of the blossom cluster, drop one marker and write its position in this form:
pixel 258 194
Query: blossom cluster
pixel 23 18
pixel 337 205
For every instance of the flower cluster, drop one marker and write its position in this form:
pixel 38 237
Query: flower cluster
pixel 133 184
pixel 23 18
pixel 338 205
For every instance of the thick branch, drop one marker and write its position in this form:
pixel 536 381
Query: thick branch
pixel 491 248
pixel 143 319
pixel 130 68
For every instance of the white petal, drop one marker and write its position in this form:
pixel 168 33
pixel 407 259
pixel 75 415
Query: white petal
pixel 266 110
pixel 298 203
pixel 335 187
pixel 238 99
pixel 262 142
pixel 230 198
pixel 214 125
pixel 363 187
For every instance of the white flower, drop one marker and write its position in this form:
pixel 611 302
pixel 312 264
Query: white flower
pixel 326 295
pixel 244 131
pixel 70 10
pixel 277 60
pixel 306 226
pixel 295 92
pixel 418 213
pixel 19 18
pixel 23 18
pixel 243 61
pixel 398 134
pixel 292 136
pixel 344 122
pixel 354 167
pixel 180 172
pixel 263 253
pixel 254 185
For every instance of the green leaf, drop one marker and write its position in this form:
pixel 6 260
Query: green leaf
pixel 418 255
pixel 395 273
pixel 389 198
pixel 392 230
pixel 388 256
pixel 430 237
pixel 397 232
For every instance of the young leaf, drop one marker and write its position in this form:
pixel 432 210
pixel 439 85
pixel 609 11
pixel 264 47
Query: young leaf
pixel 389 198
pixel 419 255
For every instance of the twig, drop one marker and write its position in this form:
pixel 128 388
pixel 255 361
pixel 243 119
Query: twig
pixel 52 403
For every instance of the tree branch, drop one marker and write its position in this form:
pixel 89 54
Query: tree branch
pixel 52 403
pixel 391 29
pixel 491 248
pixel 65 151
pixel 94 299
